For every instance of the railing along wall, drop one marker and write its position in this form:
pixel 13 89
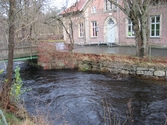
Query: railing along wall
pixel 21 50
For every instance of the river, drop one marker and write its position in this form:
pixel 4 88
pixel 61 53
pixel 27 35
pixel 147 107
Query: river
pixel 70 97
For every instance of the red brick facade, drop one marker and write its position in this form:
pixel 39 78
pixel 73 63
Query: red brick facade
pixel 95 11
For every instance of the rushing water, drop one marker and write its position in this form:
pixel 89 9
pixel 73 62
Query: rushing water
pixel 81 98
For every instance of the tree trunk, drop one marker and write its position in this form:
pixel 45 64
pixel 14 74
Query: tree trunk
pixel 8 82
pixel 145 31
pixel 71 35
pixel 141 32
pixel 71 44
pixel 23 31
pixel 145 40
pixel 139 44
pixel 138 37
pixel 138 12
pixel 69 32
pixel 30 33
pixel 142 40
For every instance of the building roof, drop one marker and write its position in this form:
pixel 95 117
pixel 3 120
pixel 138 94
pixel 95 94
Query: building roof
pixel 78 6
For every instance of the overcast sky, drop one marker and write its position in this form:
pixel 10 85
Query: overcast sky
pixel 60 3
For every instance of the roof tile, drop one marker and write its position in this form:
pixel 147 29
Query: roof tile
pixel 75 7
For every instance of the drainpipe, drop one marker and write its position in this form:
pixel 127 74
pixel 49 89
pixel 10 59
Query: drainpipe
pixel 118 25
pixel 85 39
pixel 97 30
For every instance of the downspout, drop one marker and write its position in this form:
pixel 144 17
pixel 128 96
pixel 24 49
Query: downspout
pixel 85 31
pixel 118 25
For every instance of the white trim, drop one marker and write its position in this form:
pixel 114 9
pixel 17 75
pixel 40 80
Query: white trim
pixel 93 9
pixel 116 29
pixel 131 29
pixel 93 29
pixel 84 5
pixel 109 6
pixel 160 23
pixel 81 30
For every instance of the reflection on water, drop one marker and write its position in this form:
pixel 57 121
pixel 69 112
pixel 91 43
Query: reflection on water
pixel 80 98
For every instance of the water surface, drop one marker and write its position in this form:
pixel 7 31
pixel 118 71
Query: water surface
pixel 82 98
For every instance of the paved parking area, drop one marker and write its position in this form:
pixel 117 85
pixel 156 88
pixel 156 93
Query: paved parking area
pixel 100 49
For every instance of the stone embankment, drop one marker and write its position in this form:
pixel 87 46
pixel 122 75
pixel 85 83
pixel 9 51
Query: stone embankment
pixel 116 65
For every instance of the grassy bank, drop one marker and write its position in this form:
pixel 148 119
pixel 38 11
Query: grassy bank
pixel 21 117
pixel 13 119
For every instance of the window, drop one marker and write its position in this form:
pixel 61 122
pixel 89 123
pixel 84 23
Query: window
pixel 93 9
pixel 155 26
pixel 81 30
pixel 94 26
pixel 110 21
pixel 130 29
pixel 109 5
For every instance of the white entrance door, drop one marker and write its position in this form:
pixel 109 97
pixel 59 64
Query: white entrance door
pixel 110 32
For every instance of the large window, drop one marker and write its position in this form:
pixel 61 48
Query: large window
pixel 94 27
pixel 155 26
pixel 81 30
pixel 130 29
pixel 109 5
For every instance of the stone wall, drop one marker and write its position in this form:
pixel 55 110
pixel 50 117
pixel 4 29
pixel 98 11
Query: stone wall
pixel 123 68
pixel 106 64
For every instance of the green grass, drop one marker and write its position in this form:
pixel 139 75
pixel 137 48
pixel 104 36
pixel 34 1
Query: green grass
pixel 22 118
pixel 10 118
pixel 13 120
pixel 55 40
pixel 1 71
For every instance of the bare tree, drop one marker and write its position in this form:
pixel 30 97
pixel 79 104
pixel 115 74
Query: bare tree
pixel 66 19
pixel 4 5
pixel 14 14
pixel 50 28
pixel 11 39
pixel 69 31
pixel 138 12
pixel 28 16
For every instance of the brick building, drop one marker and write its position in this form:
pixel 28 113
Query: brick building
pixel 99 21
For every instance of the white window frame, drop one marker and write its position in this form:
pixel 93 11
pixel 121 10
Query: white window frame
pixel 110 6
pixel 130 25
pixel 93 9
pixel 93 28
pixel 155 23
pixel 81 29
